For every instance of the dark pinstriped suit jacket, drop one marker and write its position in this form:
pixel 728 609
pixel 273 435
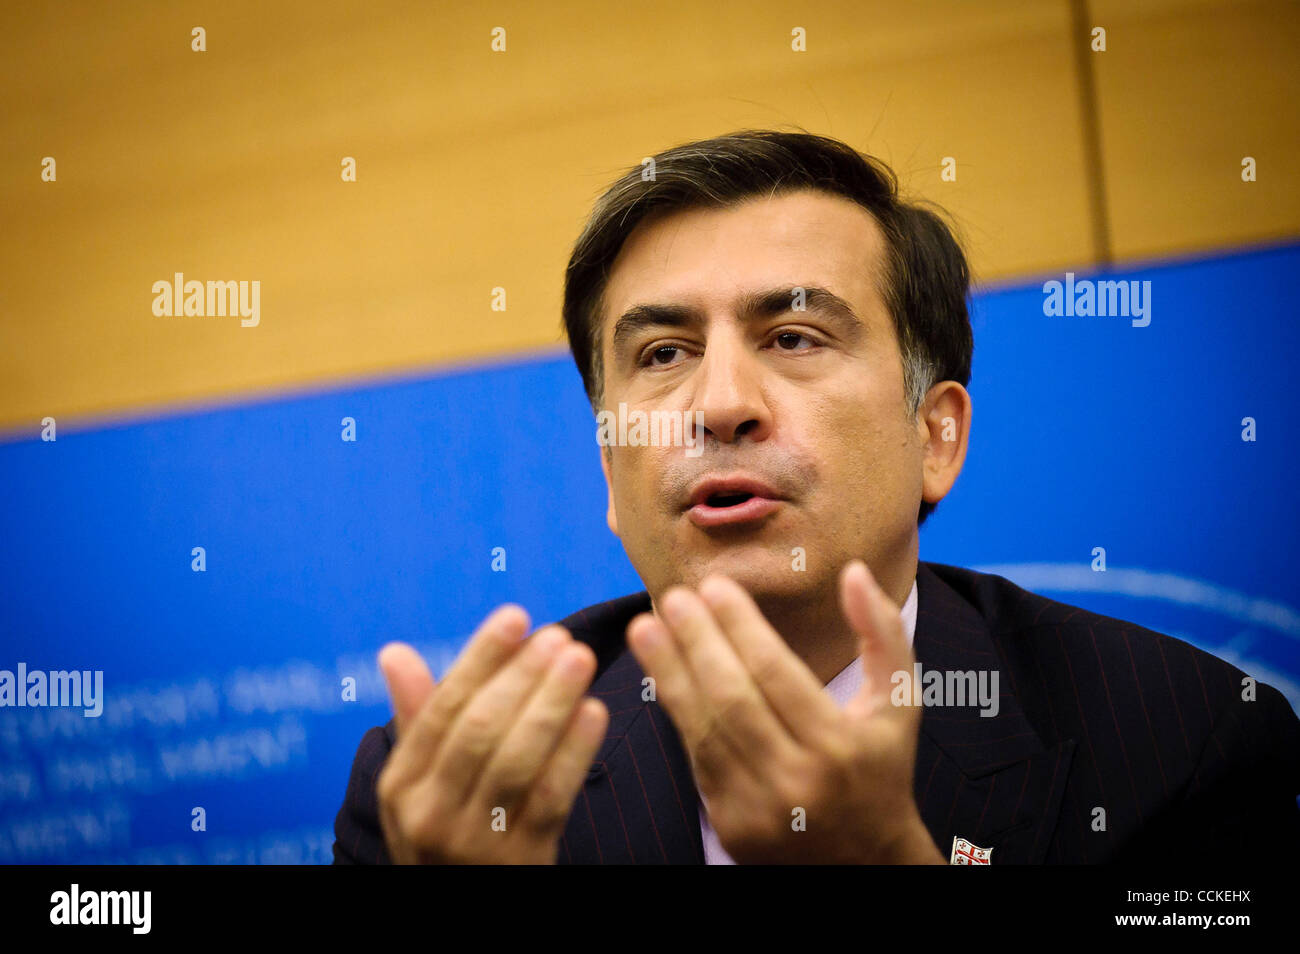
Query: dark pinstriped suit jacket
pixel 1095 713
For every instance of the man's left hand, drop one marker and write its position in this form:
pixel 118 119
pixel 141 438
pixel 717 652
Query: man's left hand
pixel 787 775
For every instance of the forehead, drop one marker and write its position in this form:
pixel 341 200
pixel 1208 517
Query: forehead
pixel 707 257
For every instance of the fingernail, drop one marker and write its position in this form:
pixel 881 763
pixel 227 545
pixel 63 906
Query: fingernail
pixel 674 606
pixel 574 662
pixel 712 591
pixel 548 640
pixel 385 652
pixel 648 636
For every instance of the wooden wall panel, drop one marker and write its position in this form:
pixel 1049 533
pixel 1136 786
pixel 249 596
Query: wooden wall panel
pixel 475 169
pixel 1186 90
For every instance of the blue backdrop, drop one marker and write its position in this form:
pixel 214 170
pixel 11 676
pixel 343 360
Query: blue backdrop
pixel 224 688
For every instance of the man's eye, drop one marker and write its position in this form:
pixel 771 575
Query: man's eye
pixel 667 352
pixel 789 341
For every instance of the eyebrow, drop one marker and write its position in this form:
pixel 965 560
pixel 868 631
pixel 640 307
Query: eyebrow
pixel 752 306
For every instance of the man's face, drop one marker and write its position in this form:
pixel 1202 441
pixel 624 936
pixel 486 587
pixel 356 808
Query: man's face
pixel 803 409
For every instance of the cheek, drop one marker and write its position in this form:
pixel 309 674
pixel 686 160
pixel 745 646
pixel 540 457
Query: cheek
pixel 868 450
pixel 634 475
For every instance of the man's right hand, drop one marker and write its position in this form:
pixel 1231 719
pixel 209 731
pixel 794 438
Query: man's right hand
pixel 489 761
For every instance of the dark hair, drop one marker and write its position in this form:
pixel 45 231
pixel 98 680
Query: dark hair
pixel 925 285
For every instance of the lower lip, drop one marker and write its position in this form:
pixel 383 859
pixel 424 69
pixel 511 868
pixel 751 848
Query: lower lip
pixel 755 508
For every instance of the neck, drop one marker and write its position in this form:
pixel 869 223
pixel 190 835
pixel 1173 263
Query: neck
pixel 816 631
pixel 816 628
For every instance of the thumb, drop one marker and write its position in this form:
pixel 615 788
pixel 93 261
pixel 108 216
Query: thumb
pixel 409 681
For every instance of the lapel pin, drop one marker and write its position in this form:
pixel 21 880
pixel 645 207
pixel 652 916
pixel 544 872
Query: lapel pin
pixel 964 853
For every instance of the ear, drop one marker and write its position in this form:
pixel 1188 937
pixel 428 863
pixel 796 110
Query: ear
pixel 611 518
pixel 943 423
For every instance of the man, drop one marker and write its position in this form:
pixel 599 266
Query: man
pixel 794 685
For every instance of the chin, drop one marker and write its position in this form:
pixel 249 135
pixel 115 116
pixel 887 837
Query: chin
pixel 763 573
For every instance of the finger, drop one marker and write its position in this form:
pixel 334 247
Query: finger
pixel 409 681
pixel 791 689
pixel 549 802
pixel 482 723
pixel 528 744
pixel 659 658
pixel 494 643
pixel 882 640
pixel 727 705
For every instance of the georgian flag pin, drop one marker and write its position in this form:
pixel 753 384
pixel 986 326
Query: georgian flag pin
pixel 964 853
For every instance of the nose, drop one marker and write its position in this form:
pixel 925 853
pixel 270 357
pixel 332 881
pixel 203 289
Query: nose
pixel 729 390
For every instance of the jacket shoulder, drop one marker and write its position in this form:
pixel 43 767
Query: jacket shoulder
pixel 1200 739
pixel 1095 652
pixel 358 837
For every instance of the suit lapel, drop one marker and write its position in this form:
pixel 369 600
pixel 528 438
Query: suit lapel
pixel 638 804
pixel 989 780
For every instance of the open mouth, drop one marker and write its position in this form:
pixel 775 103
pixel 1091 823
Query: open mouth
pixel 727 500
pixel 732 508
pixel 736 500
